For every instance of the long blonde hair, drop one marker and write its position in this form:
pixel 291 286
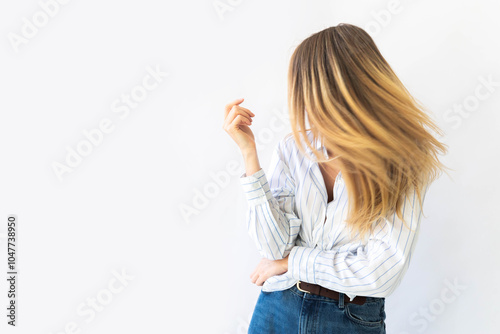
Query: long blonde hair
pixel 363 114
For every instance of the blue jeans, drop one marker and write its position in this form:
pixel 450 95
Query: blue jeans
pixel 292 311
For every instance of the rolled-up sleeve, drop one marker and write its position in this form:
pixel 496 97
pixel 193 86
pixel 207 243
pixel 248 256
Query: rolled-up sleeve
pixel 271 221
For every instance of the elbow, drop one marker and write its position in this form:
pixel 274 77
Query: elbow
pixel 284 251
pixel 387 276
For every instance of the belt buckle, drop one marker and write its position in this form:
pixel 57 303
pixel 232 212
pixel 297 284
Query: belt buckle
pixel 298 282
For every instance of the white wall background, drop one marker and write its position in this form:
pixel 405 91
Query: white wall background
pixel 144 200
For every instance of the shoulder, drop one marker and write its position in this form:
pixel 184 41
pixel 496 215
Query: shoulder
pixel 288 142
pixel 287 147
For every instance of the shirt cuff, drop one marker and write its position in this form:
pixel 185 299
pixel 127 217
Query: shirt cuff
pixel 301 263
pixel 256 187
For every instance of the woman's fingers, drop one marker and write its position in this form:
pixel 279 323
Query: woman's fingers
pixel 255 274
pixel 237 110
pixel 246 110
pixel 259 275
pixel 240 119
pixel 230 105
pixel 237 121
pixel 257 279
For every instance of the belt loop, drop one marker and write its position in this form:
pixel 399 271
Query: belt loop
pixel 341 300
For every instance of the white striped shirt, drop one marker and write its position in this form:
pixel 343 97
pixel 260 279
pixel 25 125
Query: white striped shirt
pixel 286 215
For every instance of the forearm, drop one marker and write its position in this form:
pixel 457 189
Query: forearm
pixel 272 228
pixel 251 160
pixel 271 221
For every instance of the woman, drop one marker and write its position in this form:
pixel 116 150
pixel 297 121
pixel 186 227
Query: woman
pixel 337 228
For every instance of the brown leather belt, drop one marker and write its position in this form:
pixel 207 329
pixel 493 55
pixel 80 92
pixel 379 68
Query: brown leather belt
pixel 316 289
